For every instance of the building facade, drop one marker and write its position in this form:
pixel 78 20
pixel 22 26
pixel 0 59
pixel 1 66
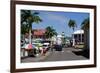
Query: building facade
pixel 78 37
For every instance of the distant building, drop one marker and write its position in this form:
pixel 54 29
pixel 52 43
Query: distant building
pixel 57 39
pixel 38 33
pixel 54 39
pixel 78 37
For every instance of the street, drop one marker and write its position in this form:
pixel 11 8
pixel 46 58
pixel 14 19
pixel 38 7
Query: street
pixel 65 55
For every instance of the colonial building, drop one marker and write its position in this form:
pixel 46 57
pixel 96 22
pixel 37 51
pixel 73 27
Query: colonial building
pixel 78 37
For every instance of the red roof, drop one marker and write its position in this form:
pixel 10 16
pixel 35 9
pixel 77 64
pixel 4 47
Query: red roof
pixel 39 32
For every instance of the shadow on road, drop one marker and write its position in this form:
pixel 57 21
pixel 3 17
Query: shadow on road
pixel 84 53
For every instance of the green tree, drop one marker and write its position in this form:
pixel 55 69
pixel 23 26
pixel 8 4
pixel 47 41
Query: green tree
pixel 72 24
pixel 85 23
pixel 50 32
pixel 24 29
pixel 29 17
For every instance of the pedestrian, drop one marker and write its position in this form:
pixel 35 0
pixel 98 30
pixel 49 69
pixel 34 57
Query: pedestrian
pixel 71 43
pixel 44 51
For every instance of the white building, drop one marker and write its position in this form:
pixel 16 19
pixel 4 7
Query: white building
pixel 59 39
pixel 78 37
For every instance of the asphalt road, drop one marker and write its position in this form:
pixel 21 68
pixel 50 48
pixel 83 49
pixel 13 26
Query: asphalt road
pixel 65 55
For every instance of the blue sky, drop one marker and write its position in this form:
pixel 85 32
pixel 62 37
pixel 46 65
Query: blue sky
pixel 59 21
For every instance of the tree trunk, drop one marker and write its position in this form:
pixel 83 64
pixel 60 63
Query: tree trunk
pixel 30 37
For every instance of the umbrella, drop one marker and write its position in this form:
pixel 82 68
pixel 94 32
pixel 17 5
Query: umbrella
pixel 28 46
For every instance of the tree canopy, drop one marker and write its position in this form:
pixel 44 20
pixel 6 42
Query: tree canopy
pixel 50 32
pixel 27 18
pixel 72 24
pixel 85 23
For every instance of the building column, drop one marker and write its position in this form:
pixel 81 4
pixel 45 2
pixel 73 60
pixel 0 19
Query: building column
pixel 78 37
pixel 81 38
pixel 73 40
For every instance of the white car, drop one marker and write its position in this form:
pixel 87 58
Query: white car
pixel 46 45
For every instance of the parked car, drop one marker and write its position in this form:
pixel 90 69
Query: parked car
pixel 67 44
pixel 38 47
pixel 57 47
pixel 22 42
pixel 46 45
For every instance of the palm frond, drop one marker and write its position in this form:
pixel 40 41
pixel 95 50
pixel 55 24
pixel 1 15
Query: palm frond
pixel 72 24
pixel 85 23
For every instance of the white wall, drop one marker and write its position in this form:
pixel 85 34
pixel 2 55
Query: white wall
pixel 5 36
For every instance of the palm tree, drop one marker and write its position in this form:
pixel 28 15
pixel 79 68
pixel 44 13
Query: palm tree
pixel 50 32
pixel 85 23
pixel 24 29
pixel 72 24
pixel 27 18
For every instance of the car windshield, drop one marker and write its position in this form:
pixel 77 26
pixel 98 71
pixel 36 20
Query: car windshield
pixel 45 41
pixel 44 45
pixel 37 41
